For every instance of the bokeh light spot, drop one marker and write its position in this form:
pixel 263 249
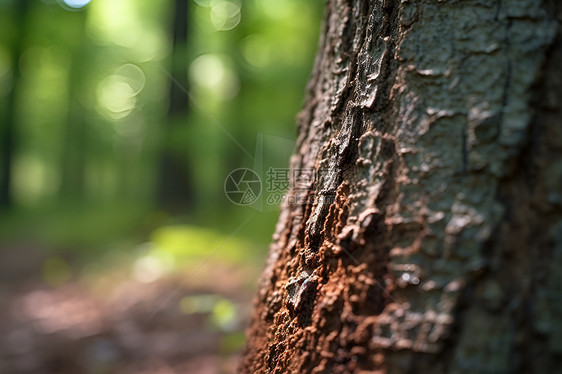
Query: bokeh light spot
pixel 225 15
pixel 213 74
pixel 132 75
pixel 257 51
pixel 224 315
pixel 151 267
pixel 203 3
pixel 76 4
pixel 116 95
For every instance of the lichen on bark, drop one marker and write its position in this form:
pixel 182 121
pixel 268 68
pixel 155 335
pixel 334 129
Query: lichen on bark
pixel 429 238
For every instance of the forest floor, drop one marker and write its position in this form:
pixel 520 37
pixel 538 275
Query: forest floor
pixel 112 323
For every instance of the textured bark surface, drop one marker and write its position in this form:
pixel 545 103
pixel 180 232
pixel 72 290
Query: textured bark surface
pixel 430 240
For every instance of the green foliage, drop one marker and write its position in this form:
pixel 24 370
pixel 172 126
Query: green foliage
pixel 91 88
pixel 87 130
pixel 187 243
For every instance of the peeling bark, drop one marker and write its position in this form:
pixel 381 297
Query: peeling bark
pixel 429 240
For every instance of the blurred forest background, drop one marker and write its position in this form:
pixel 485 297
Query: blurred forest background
pixel 119 122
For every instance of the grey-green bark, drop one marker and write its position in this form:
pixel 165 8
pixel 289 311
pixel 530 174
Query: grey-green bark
pixel 431 238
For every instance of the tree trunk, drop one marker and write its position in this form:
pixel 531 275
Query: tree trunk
pixel 8 138
pixel 431 237
pixel 75 141
pixel 175 192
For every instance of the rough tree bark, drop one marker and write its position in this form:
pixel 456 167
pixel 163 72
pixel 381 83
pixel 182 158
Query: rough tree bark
pixel 430 240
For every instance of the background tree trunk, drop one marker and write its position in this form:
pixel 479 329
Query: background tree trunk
pixel 174 185
pixel 75 150
pixel 430 239
pixel 8 136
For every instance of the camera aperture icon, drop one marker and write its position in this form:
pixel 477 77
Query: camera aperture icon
pixel 242 186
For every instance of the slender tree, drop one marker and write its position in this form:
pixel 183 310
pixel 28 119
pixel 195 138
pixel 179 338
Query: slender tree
pixel 431 238
pixel 174 185
pixel 8 123
pixel 75 137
